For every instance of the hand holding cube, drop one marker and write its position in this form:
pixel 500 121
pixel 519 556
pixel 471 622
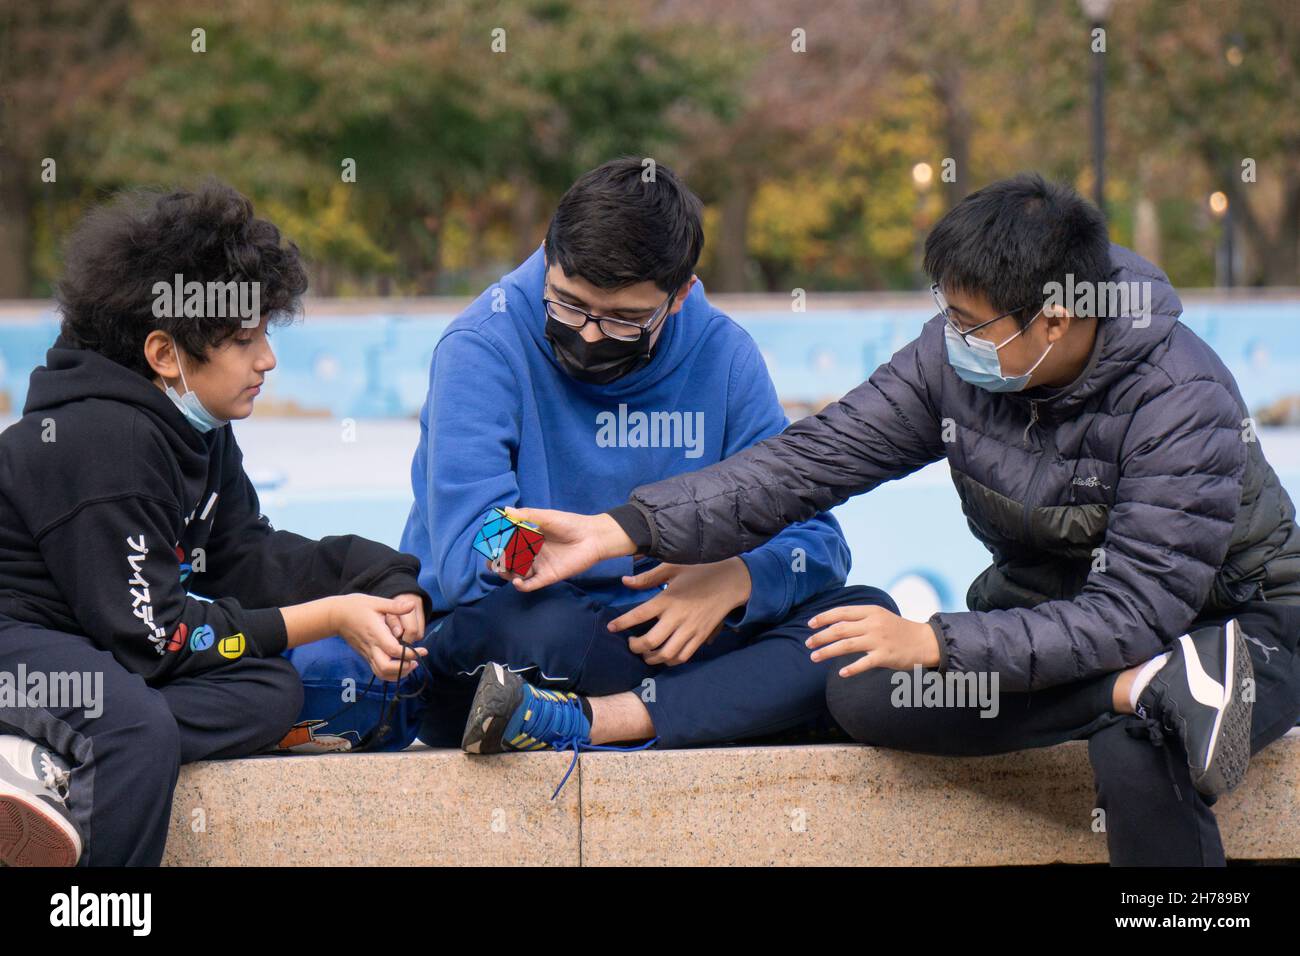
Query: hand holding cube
pixel 508 542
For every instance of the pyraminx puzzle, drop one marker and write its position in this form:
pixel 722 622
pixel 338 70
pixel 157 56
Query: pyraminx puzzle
pixel 508 542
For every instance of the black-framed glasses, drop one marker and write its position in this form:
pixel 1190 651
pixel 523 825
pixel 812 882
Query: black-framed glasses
pixel 943 310
pixel 625 330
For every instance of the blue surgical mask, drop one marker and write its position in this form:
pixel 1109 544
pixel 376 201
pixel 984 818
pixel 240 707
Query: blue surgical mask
pixel 189 404
pixel 978 362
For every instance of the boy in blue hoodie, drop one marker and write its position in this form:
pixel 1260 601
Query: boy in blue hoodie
pixel 594 367
pixel 123 498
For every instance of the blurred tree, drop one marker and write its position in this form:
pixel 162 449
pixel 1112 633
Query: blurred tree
pixel 413 94
pixel 55 57
pixel 804 67
pixel 1216 83
pixel 797 122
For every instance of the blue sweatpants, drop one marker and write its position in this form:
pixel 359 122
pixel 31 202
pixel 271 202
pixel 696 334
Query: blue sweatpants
pixel 749 682
pixel 340 688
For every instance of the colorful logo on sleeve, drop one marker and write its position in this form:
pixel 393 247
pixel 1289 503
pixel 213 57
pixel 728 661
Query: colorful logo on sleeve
pixel 202 638
pixel 232 646
pixel 185 565
pixel 177 640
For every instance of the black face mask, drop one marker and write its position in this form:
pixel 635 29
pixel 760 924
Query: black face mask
pixel 596 362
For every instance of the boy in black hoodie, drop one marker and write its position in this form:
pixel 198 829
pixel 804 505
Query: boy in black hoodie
pixel 122 491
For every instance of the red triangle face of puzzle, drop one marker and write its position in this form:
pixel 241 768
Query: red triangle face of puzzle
pixel 521 549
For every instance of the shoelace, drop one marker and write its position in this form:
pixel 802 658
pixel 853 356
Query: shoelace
pixel 387 709
pixel 579 744
pixel 562 721
pixel 55 777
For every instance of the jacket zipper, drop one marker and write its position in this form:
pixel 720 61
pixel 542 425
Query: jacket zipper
pixel 1033 420
pixel 1038 468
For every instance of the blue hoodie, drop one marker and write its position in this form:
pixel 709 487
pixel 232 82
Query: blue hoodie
pixel 505 426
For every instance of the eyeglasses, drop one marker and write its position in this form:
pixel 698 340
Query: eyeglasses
pixel 943 310
pixel 625 330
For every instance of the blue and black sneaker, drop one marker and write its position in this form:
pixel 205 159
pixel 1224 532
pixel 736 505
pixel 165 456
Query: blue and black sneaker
pixel 510 714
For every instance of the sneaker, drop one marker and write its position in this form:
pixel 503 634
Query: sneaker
pixel 508 713
pixel 1197 695
pixel 36 828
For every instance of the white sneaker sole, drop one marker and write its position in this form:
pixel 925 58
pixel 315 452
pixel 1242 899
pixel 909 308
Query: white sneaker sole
pixel 1229 753
pixel 1230 634
pixel 33 834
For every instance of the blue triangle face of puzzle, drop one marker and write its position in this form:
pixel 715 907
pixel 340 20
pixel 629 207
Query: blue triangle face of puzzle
pixel 493 537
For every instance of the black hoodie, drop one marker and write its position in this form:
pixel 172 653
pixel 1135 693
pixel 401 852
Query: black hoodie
pixel 113 507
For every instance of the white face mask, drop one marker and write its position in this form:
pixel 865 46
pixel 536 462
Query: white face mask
pixel 189 404
pixel 979 363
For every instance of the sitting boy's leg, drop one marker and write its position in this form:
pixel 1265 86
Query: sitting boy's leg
pixel 122 747
pixel 766 684
pixel 740 686
pixel 237 710
pixel 1168 823
pixel 895 709
pixel 345 704
pixel 555 638
pixel 1154 816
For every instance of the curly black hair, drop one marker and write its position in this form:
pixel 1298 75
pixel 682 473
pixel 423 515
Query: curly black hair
pixel 121 250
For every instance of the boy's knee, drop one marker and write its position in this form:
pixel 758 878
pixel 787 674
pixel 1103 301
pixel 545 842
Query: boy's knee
pixel 863 594
pixel 149 743
pixel 284 703
pixel 854 594
pixel 277 700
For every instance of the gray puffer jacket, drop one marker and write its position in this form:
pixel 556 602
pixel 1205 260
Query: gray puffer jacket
pixel 1118 509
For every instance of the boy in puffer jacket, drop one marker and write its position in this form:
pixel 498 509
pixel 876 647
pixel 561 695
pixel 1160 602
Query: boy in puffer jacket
pixel 1144 593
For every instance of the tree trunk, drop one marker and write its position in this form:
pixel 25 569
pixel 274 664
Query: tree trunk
pixel 15 231
pixel 733 234
pixel 524 218
pixel 1146 218
pixel 957 133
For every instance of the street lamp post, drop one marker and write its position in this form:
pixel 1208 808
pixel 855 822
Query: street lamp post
pixel 1097 11
pixel 1221 209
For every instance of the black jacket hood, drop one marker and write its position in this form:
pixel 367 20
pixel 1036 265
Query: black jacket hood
pixel 72 374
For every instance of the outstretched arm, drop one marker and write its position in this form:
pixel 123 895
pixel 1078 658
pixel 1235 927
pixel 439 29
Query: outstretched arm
pixel 885 428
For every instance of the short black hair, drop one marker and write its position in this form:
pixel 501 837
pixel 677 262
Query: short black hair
pixel 120 250
pixel 1008 240
pixel 614 230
